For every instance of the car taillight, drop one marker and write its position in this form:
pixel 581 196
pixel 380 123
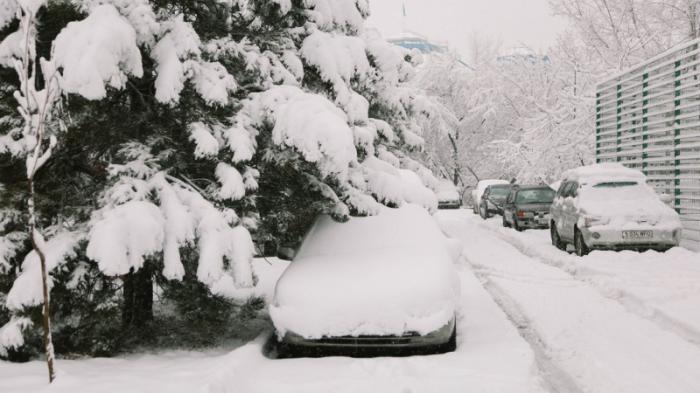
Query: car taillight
pixel 521 214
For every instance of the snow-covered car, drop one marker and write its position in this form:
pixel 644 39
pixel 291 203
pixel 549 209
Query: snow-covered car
pixel 478 191
pixel 448 196
pixel 608 206
pixel 383 284
pixel 528 207
pixel 493 199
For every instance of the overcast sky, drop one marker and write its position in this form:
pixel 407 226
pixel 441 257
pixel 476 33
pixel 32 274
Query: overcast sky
pixel 514 22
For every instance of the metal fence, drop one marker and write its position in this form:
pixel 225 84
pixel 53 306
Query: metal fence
pixel 648 118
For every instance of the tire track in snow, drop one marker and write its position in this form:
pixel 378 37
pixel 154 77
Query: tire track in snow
pixel 629 301
pixel 556 379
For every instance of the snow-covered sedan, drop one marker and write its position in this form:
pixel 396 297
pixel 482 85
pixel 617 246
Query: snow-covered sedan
pixel 608 206
pixel 448 196
pixel 378 285
pixel 478 191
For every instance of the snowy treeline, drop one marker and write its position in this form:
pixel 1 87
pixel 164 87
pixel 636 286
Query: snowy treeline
pixel 182 138
pixel 528 115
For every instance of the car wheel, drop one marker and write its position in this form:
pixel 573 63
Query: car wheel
pixel 505 222
pixel 556 239
pixel 451 345
pixel 580 245
pixel 516 226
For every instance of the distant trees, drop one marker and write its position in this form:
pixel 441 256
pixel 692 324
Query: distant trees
pixel 529 115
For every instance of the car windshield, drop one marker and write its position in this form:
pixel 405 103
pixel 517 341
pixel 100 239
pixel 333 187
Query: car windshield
pixel 616 184
pixel 536 195
pixel 499 192
pixel 618 191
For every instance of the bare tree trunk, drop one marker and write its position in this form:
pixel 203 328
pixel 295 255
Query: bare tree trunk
pixel 137 309
pixel 37 242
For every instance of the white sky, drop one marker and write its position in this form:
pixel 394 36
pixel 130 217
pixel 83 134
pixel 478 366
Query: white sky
pixel 514 22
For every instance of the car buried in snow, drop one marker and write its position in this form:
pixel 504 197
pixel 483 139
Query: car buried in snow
pixel 478 191
pixel 448 196
pixel 493 199
pixel 610 207
pixel 382 285
pixel 527 207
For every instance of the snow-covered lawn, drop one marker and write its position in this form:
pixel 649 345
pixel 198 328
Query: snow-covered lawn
pixel 491 357
pixel 592 338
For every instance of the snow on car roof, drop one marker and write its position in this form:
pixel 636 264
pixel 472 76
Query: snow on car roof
pixel 407 227
pixel 607 171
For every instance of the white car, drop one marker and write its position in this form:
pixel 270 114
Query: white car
pixel 608 206
pixel 448 196
pixel 372 285
pixel 478 191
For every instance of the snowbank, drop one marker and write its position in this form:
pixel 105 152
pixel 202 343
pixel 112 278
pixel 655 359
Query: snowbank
pixel 383 275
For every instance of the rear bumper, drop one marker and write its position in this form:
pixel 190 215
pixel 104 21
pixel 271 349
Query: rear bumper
pixel 535 220
pixel 602 238
pixel 407 344
pixel 449 204
pixel 531 224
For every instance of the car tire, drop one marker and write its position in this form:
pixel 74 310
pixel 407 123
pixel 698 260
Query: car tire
pixel 483 212
pixel 505 222
pixel 580 244
pixel 556 239
pixel 451 344
pixel 516 226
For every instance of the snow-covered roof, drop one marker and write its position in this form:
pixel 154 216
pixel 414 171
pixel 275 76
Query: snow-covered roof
pixel 596 172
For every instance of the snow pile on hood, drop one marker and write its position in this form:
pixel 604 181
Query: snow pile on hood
pixel 381 275
pixel 628 205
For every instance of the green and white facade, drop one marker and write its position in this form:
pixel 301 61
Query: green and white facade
pixel 648 118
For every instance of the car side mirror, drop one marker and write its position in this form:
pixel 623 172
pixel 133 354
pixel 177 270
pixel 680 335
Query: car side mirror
pixel 286 253
pixel 666 198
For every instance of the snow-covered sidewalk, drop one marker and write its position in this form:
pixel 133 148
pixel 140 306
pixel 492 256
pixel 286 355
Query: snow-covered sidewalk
pixel 491 357
pixel 599 344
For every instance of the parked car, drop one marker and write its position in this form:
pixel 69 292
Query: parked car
pixel 448 196
pixel 608 206
pixel 479 190
pixel 378 285
pixel 528 207
pixel 493 199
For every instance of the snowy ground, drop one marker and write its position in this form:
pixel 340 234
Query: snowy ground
pixel 532 319
pixel 608 322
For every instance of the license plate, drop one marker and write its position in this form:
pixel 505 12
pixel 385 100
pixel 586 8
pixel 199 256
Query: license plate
pixel 637 235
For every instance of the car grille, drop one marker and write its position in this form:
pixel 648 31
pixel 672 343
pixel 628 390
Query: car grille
pixel 368 340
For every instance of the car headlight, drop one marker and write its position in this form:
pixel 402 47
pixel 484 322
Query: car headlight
pixel 591 220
